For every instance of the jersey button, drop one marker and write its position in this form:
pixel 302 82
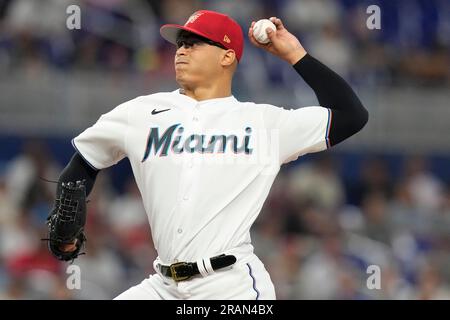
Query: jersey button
pixel 195 119
pixel 180 230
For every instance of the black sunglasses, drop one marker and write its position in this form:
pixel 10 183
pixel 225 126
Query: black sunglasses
pixel 188 40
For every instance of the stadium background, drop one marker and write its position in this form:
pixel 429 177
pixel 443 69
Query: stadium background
pixel 381 198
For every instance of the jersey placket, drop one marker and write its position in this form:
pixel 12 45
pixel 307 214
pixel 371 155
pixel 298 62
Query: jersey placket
pixel 187 178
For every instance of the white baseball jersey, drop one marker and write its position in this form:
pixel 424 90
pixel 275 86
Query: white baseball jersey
pixel 204 168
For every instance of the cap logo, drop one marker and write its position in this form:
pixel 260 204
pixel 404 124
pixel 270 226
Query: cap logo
pixel 194 17
pixel 226 39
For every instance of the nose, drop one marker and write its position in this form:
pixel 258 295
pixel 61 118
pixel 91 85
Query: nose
pixel 181 51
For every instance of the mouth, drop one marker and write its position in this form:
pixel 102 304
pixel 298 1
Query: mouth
pixel 180 62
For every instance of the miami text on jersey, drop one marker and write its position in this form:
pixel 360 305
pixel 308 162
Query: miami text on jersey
pixel 194 142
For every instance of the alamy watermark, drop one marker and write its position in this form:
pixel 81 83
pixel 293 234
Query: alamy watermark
pixel 374 278
pixel 374 20
pixel 73 21
pixel 74 279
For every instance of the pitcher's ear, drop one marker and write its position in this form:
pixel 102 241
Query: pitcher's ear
pixel 228 57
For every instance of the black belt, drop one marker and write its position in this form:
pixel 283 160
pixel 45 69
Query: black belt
pixel 181 271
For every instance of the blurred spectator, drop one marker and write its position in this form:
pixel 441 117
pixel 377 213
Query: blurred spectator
pixel 425 188
pixel 374 178
pixel 318 183
pixel 18 237
pixel 323 272
pixel 305 16
pixel 129 224
pixel 44 18
pixel 329 40
pixel 374 208
pixel 8 209
pixel 24 173
pixel 406 216
pixel 101 269
pixel 127 212
pixel 284 263
pixel 393 285
pixel 177 10
pixel 430 286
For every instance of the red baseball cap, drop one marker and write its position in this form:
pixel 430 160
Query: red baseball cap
pixel 211 25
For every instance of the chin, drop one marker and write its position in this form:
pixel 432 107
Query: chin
pixel 183 79
pixel 180 78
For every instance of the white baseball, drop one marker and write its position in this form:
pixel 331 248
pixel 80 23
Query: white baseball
pixel 259 30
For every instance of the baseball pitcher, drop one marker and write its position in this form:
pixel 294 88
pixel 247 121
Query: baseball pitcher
pixel 204 162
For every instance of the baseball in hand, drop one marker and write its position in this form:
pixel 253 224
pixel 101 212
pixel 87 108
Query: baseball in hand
pixel 259 30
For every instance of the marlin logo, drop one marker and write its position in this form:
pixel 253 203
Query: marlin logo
pixel 200 143
pixel 193 17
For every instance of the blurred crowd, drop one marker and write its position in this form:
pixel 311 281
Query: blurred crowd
pixel 119 36
pixel 318 233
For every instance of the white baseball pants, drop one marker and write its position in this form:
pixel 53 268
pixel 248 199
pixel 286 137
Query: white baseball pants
pixel 247 279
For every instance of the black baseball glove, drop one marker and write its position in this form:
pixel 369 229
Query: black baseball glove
pixel 66 221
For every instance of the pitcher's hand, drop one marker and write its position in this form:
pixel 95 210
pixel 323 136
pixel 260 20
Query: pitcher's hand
pixel 283 44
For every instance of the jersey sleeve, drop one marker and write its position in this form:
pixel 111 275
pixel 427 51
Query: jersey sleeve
pixel 104 144
pixel 298 132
